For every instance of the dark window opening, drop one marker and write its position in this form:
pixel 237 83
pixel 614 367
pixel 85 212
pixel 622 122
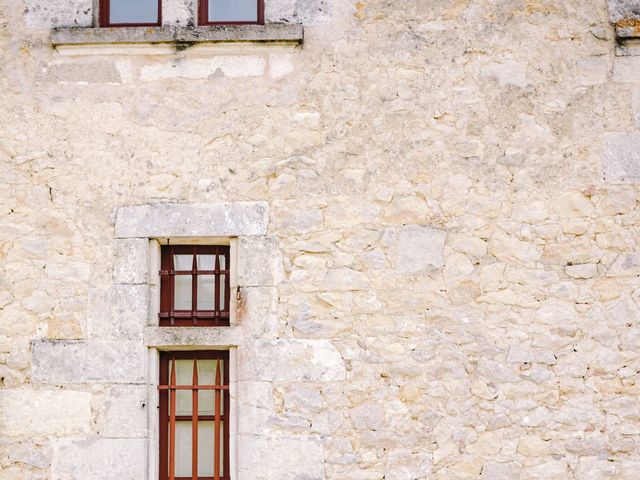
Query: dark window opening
pixel 194 286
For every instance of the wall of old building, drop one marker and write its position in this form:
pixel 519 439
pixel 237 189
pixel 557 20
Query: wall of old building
pixel 437 222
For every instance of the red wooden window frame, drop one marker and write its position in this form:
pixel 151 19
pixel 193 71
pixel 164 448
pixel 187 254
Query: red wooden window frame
pixel 167 393
pixel 169 316
pixel 105 21
pixel 203 15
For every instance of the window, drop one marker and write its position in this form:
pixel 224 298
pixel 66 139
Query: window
pixel 231 12
pixel 130 13
pixel 194 409
pixel 194 285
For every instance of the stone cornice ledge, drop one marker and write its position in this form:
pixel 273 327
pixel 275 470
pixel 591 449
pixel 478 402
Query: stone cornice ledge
pixel 271 32
pixel 176 338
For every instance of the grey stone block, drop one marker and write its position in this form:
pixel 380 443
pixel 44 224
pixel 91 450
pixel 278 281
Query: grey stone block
pixel 195 220
pixel 259 313
pixel 131 261
pixel 222 337
pixel 82 73
pixel 621 158
pixel 291 361
pixel 88 362
pixel 58 13
pixel 124 412
pixel 284 458
pixel 626 69
pixel 259 262
pixel 420 248
pixel 623 10
pixel 271 32
pixel 101 459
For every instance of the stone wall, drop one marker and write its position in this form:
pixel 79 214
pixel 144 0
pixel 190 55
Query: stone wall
pixel 439 260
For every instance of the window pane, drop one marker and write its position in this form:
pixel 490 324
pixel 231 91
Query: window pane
pixel 206 262
pixel 206 434
pixel 183 449
pixel 223 280
pixel 207 376
pixel 233 10
pixel 182 292
pixel 133 11
pixel 223 262
pixel 183 262
pixel 205 292
pixel 184 376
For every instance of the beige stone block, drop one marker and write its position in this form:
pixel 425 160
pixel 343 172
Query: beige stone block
pixel 625 265
pixel 573 204
pixel 419 249
pixel 259 262
pixel 231 66
pixel 587 270
pixel 593 70
pixel 28 413
pixel 626 69
pixel 81 73
pixel 131 261
pixel 532 446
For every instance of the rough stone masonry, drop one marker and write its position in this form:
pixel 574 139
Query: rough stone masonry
pixel 435 204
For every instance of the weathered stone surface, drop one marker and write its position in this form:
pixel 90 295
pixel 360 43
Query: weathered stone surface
pixel 119 312
pixel 303 360
pixel 101 459
pixel 403 463
pixel 176 220
pixel 227 66
pixel 131 261
pixel 79 73
pixel 419 249
pixel 621 157
pixel 34 414
pixel 626 69
pixel 123 412
pixel 623 10
pixel 291 458
pixel 160 337
pixel 635 106
pixel 258 315
pixel 88 362
pixel 260 262
pixel 625 265
pixel 77 13
pixel 593 71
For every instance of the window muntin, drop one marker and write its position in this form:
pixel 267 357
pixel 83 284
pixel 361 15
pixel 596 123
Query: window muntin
pixel 195 285
pixel 231 12
pixel 130 13
pixel 194 390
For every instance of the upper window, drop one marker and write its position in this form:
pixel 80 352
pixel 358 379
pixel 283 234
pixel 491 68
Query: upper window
pixel 231 12
pixel 130 13
pixel 194 286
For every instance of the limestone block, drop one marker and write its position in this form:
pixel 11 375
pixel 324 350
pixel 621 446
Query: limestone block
pixel 291 458
pixel 259 262
pixel 635 105
pixel 573 204
pixel 525 354
pixel 629 469
pixel 88 362
pixel 621 157
pixel 194 220
pixel 593 70
pixel 32 413
pixel 625 265
pixel 124 411
pixel 291 361
pixel 81 73
pixel 59 13
pixel 255 408
pixel 623 10
pixel 586 270
pixel 508 73
pixel 402 463
pixel 345 279
pixel 508 248
pixel 222 337
pixel 500 471
pixel 419 249
pixel 32 454
pixel 259 313
pixel 280 64
pixel 368 416
pixel 178 12
pixel 626 69
pixel 231 66
pixel 101 459
pixel 131 261
pixel 119 312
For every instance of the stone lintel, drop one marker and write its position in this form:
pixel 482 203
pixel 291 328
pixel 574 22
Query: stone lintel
pixel 192 220
pixel 188 338
pixel 271 32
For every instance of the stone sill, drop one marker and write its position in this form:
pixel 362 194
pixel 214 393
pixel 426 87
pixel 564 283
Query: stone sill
pixel 190 338
pixel 628 29
pixel 272 32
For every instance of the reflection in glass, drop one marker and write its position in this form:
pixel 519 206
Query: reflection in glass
pixel 205 292
pixel 233 10
pixel 182 292
pixel 183 262
pixel 206 262
pixel 133 11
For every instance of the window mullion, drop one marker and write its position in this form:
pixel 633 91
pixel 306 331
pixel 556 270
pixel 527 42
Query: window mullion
pixel 194 423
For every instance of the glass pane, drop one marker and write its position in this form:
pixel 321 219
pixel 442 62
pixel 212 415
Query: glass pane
pixel 222 289
pixel 133 11
pixel 206 437
pixel 207 376
pixel 182 292
pixel 233 10
pixel 206 262
pixel 184 376
pixel 205 292
pixel 222 262
pixel 183 262
pixel 183 449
